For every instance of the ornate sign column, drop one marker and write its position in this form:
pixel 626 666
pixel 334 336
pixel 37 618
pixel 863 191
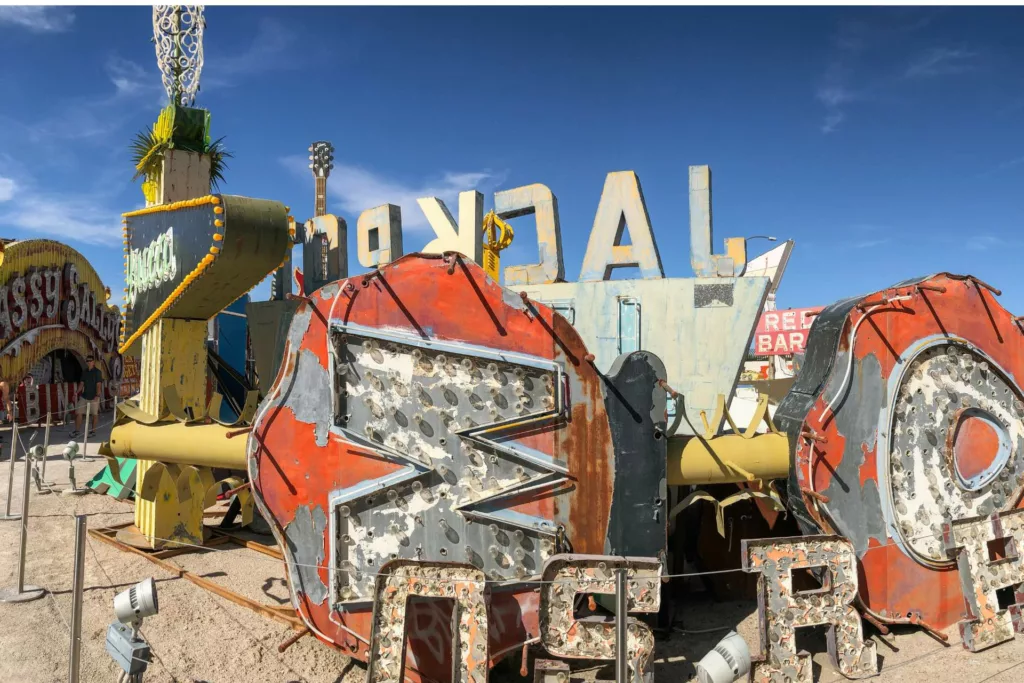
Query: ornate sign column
pixel 188 255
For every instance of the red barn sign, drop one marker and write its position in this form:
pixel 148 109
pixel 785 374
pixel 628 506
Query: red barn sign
pixel 780 333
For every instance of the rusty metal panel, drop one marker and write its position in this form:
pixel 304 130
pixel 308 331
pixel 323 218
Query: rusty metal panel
pixel 569 576
pixel 906 414
pixel 782 609
pixel 970 540
pixel 461 584
pixel 268 326
pixel 442 418
pixel 696 332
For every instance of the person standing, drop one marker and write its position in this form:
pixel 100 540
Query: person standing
pixel 89 390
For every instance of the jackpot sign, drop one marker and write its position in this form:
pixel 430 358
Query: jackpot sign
pixel 781 333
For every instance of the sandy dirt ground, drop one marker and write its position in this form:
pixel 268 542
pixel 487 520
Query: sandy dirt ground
pixel 199 637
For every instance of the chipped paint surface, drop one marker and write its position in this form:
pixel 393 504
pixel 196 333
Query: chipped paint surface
pixel 305 534
pixel 401 580
pixel 782 610
pixel 702 335
pixel 970 540
pixel 889 381
pixel 532 469
pixel 622 208
pixel 536 200
pixel 572 575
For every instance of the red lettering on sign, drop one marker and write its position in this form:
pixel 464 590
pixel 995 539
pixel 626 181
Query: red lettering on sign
pixel 783 332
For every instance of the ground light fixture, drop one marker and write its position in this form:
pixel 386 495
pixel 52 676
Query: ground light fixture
pixel 729 661
pixel 124 643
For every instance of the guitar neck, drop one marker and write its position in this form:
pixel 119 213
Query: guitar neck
pixel 321 196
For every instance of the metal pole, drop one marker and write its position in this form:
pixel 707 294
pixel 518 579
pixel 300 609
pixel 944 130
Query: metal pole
pixel 76 598
pixel 85 430
pixel 23 593
pixel 46 442
pixel 621 621
pixel 10 473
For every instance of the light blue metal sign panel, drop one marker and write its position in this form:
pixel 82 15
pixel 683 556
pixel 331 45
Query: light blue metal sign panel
pixel 700 328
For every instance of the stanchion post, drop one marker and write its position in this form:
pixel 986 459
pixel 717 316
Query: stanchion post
pixel 621 622
pixel 46 442
pixel 85 431
pixel 76 599
pixel 23 593
pixel 10 473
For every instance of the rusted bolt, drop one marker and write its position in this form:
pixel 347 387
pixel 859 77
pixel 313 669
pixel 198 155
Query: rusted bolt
pixel 524 297
pixel 820 497
pixel 237 432
pixel 231 492
pixel 664 385
pixel 930 288
pixel 809 434
pixel 291 641
pixel 589 358
pixel 982 283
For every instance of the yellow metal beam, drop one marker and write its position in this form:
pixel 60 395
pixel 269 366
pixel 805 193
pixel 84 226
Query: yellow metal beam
pixel 727 459
pixel 201 445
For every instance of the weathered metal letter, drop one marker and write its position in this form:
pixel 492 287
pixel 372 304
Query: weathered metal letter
pixel 706 264
pixel 534 199
pixel 379 235
pixel 782 610
pixel 325 252
pixel 566 576
pixel 622 208
pixel 466 237
pixel 399 580
pixel 981 575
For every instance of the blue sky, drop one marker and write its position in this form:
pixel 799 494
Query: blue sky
pixel 887 143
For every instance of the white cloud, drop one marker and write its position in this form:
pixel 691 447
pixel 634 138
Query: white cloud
pixel 127 76
pixel 38 19
pixel 357 189
pixel 74 219
pixel 100 117
pixel 6 189
pixel 65 216
pixel 941 61
pixel 984 242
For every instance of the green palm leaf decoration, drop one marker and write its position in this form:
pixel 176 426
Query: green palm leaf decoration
pixel 176 128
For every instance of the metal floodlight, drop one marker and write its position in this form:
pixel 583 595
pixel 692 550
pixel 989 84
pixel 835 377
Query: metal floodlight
pixel 124 642
pixel 136 603
pixel 71 450
pixel 728 662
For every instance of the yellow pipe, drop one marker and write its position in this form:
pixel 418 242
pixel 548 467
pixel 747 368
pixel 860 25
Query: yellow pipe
pixel 203 445
pixel 727 459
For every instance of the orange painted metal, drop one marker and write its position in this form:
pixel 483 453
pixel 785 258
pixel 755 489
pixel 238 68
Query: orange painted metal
pixel 893 584
pixel 445 300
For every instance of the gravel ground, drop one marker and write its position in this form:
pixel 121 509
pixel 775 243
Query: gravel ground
pixel 199 637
